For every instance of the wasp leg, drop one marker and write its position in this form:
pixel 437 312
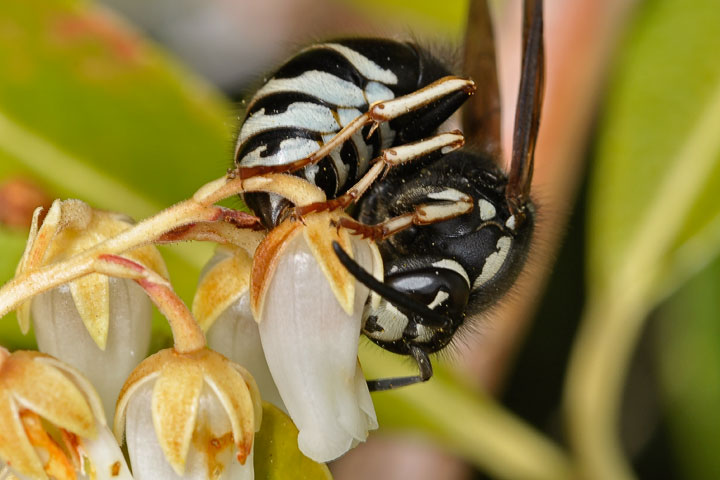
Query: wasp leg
pixel 451 203
pixel 426 371
pixel 378 113
pixel 388 158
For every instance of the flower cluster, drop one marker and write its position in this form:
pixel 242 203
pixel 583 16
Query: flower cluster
pixel 279 303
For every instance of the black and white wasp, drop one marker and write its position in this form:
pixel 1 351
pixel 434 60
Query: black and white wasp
pixel 453 230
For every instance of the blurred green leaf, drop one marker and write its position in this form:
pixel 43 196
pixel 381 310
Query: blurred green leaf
pixel 658 163
pixel 446 17
pixel 654 216
pixel 90 110
pixel 277 456
pixel 688 353
pixel 464 420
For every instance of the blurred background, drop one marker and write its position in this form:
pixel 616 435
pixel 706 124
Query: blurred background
pixel 608 349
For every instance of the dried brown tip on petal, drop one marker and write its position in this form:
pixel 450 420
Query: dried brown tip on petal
pixel 233 392
pixel 221 286
pixel 254 393
pixel 265 263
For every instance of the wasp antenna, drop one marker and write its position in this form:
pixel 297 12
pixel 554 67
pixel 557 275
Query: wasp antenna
pixel 481 115
pixel 527 112
pixel 397 298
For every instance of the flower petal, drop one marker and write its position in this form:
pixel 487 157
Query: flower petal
pixel 311 346
pixel 61 332
pixel 235 335
pixel 174 408
pixel 265 262
pixel 14 444
pixel 211 453
pixel 59 400
pixel 106 459
pixel 222 284
pixel 91 295
pixel 319 235
pixel 233 393
pixel 143 375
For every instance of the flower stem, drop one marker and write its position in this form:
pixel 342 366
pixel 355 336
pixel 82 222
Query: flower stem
pixel 199 208
pixel 187 334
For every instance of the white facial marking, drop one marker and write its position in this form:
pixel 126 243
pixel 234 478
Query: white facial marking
pixel 487 209
pixel 494 261
pixel 325 86
pixel 290 150
pixel 440 297
pixel 425 334
pixel 377 92
pixel 454 266
pixel 305 115
pixel 366 67
pixel 510 222
pixel 391 320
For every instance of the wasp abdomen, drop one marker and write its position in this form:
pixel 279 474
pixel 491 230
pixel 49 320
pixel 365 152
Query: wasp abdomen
pixel 322 89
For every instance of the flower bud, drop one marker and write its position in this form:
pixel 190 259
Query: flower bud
pixel 222 308
pixel 51 422
pixel 189 416
pixel 97 324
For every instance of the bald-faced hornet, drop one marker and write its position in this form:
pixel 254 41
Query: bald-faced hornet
pixel 437 275
pixel 452 229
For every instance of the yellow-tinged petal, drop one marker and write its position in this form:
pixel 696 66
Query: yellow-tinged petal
pixel 91 295
pixel 46 391
pixel 148 370
pixel 82 383
pixel 15 448
pixel 23 317
pixel 221 286
pixel 254 393
pixel 232 390
pixel 319 235
pixel 265 263
pixel 175 407
pixel 34 253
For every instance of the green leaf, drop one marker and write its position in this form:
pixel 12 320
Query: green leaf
pixel 658 163
pixel 276 451
pixel 467 421
pixel 688 353
pixel 654 218
pixel 90 110
pixel 447 18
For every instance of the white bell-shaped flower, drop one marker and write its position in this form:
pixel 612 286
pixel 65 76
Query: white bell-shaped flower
pixel 309 310
pixel 189 416
pixel 95 321
pixel 52 424
pixel 222 308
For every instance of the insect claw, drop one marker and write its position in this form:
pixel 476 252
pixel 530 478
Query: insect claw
pixel 374 127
